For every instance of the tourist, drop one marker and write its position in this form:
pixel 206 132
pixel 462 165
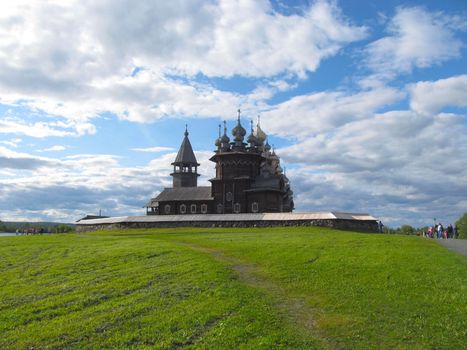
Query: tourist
pixel 454 232
pixel 450 231
pixel 380 227
pixel 440 231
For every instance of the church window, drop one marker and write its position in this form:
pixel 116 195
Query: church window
pixel 219 209
pixel 167 209
pixel 254 207
pixel 204 208
pixel 229 197
pixel 237 207
pixel 183 209
pixel 193 208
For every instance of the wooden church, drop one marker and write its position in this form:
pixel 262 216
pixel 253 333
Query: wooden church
pixel 249 178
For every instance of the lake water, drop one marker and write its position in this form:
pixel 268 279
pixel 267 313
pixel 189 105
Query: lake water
pixel 7 234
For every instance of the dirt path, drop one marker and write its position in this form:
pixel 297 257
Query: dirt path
pixel 295 309
pixel 456 245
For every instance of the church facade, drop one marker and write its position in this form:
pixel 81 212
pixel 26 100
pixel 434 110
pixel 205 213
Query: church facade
pixel 249 178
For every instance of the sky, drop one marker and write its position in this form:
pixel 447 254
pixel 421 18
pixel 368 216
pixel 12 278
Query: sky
pixel 364 101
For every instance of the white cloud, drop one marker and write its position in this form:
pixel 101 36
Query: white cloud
pixel 432 96
pixel 156 149
pixel 74 59
pixel 305 115
pixel 56 148
pixel 18 160
pixel 12 143
pixel 417 39
pixel 388 165
pixel 66 188
pixel 45 129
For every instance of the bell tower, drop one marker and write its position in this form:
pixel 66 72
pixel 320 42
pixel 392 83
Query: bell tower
pixel 185 172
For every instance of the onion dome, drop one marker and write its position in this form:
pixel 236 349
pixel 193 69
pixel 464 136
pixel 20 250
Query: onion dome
pixel 224 138
pixel 238 132
pixel 218 140
pixel 267 147
pixel 260 134
pixel 252 140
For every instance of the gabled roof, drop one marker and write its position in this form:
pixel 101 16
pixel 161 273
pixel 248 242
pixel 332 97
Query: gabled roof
pixel 92 217
pixel 185 154
pixel 182 194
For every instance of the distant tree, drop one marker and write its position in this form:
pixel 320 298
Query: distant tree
pixel 2 226
pixel 387 229
pixel 62 228
pixel 462 226
pixel 407 230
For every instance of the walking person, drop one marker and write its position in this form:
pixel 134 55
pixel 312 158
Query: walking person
pixel 450 231
pixel 440 231
pixel 380 227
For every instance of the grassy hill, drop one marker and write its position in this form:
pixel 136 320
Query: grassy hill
pixel 231 288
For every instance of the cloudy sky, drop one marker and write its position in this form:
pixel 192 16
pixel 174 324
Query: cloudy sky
pixel 365 101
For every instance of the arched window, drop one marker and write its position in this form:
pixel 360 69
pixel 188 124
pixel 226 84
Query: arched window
pixel 204 208
pixel 237 207
pixel 182 209
pixel 254 207
pixel 229 197
pixel 219 209
pixel 193 209
pixel 167 209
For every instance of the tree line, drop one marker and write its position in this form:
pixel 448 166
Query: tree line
pixel 48 227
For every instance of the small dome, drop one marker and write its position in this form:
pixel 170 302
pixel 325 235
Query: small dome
pixel 238 132
pixel 218 140
pixel 267 147
pixel 224 139
pixel 260 134
pixel 252 139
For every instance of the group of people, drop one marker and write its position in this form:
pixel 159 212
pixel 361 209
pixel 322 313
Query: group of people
pixel 440 232
pixel 30 231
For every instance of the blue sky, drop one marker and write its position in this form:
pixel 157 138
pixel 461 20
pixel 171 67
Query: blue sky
pixel 365 101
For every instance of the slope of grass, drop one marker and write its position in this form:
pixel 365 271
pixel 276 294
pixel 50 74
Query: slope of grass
pixel 230 288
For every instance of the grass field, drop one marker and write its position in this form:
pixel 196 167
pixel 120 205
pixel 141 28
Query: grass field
pixel 231 288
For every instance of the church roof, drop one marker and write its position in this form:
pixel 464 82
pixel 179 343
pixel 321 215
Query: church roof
pixel 185 154
pixel 183 194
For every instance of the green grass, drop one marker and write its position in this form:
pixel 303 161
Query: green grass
pixel 231 288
